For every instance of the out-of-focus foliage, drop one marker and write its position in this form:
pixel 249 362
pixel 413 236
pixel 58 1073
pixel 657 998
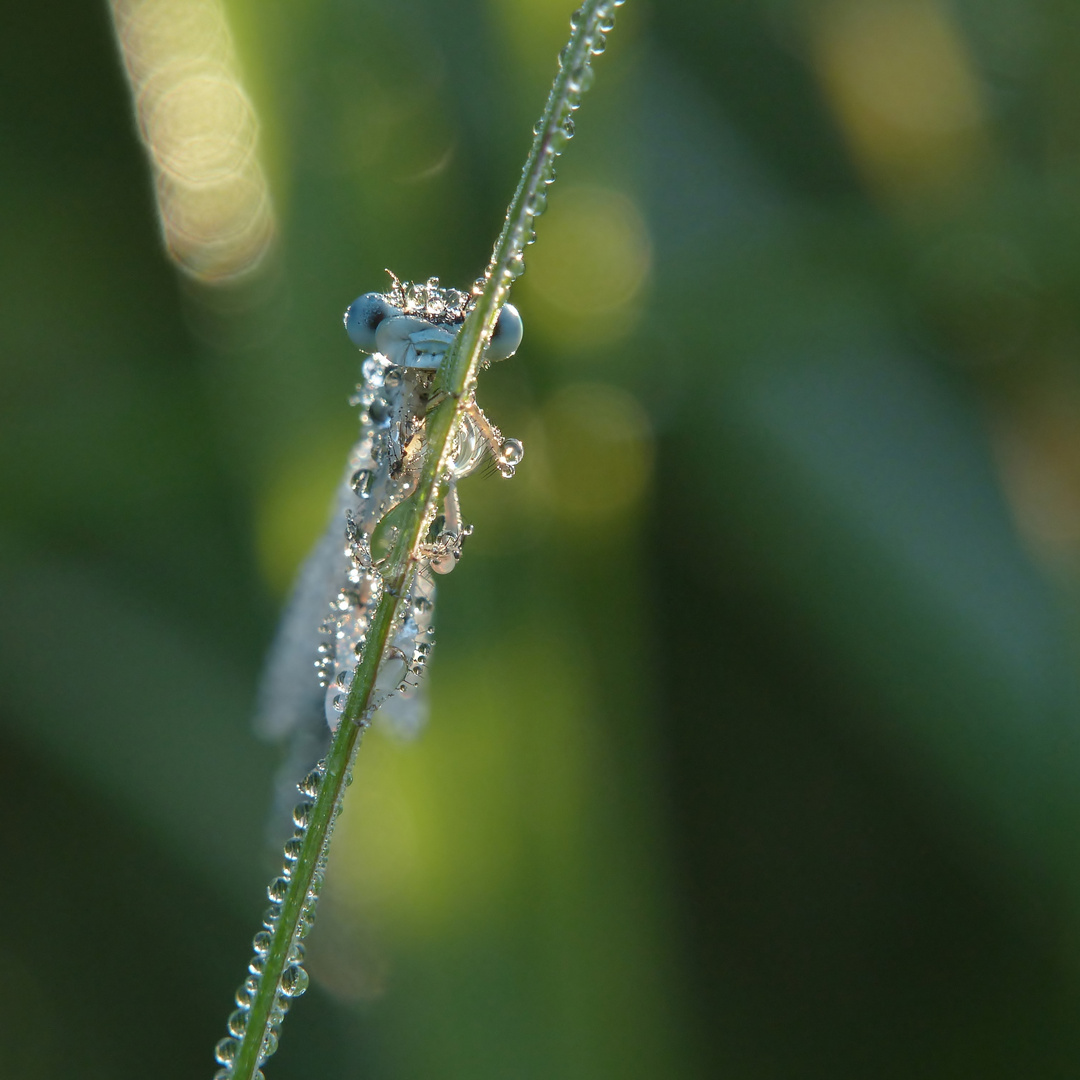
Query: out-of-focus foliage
pixel 753 748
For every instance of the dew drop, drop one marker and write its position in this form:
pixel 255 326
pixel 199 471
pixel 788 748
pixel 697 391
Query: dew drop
pixel 223 1074
pixel 238 1023
pixel 597 46
pixel 271 916
pixel 444 563
pixel 294 981
pixel 270 1045
pixel 226 1050
pixel 511 452
pixel 306 922
pixel 293 847
pixel 279 887
pixel 361 482
pixel 310 783
pixel 256 965
pixel 245 996
pixel 301 815
pixel 261 942
pixel 379 412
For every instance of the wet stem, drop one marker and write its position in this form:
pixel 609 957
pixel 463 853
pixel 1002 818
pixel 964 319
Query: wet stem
pixel 276 972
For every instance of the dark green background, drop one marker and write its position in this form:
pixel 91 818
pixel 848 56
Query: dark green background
pixel 768 769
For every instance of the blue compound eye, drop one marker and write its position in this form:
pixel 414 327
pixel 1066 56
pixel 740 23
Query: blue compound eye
pixel 362 318
pixel 507 334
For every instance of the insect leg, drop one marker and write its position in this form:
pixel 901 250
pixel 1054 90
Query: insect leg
pixel 507 452
pixel 442 554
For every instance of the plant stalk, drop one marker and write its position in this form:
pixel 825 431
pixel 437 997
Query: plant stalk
pixel 242 1057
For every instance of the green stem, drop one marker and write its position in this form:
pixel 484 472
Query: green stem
pixel 457 379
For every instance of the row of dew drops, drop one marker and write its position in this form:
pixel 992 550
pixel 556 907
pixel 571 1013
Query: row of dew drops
pixel 579 80
pixel 294 978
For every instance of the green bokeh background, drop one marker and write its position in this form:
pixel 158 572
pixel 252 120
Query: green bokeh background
pixel 754 738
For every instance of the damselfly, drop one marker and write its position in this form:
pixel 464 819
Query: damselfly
pixel 405 332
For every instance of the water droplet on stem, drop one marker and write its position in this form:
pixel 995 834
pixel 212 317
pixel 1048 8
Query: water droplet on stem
pixel 294 981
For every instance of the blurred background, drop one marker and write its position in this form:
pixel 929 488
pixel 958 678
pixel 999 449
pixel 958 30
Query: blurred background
pixel 754 738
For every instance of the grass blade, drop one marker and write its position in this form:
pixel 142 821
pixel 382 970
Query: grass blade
pixel 276 971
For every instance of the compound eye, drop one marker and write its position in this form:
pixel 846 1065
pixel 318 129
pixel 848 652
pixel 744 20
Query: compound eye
pixel 507 334
pixel 362 318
